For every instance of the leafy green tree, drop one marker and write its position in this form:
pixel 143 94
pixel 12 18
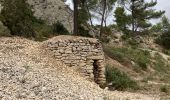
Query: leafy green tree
pixel 18 17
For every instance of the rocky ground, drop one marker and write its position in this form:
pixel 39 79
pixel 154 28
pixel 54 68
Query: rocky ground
pixel 28 72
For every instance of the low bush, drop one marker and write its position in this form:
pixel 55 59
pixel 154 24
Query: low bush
pixel 82 31
pixel 164 40
pixel 116 53
pixel 126 55
pixel 167 52
pixel 4 30
pixel 119 80
pixel 104 39
pixel 59 29
pixel 164 88
pixel 160 64
pixel 18 17
pixel 43 31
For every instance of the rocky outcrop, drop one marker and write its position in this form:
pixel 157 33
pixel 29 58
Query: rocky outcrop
pixel 83 54
pixel 53 11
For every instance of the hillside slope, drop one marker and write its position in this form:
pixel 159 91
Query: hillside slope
pixel 27 71
pixel 53 11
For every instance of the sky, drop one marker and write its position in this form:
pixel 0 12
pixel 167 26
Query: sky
pixel 162 5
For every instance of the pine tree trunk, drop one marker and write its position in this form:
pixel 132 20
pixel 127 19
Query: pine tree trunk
pixel 75 30
pixel 133 18
pixel 103 15
pixel 105 22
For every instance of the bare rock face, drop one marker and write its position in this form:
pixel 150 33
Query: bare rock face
pixel 53 11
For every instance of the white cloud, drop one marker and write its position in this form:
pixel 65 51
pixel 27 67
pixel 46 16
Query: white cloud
pixel 164 5
pixel 70 3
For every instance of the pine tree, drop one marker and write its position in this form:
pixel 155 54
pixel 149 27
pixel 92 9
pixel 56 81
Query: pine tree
pixel 141 12
pixel 83 18
pixel 165 24
pixel 82 15
pixel 75 30
pixel 164 39
pixel 122 20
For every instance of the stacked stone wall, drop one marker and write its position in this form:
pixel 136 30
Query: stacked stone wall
pixel 81 54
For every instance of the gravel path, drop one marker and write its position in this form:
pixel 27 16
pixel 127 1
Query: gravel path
pixel 28 72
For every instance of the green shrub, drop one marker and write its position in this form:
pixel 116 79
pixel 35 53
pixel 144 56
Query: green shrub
pixel 124 37
pixel 104 39
pixel 142 63
pixel 82 31
pixel 160 64
pixel 116 53
pixel 119 80
pixel 161 67
pixel 43 31
pixel 167 52
pixel 164 88
pixel 126 55
pixel 107 31
pixel 127 34
pixel 132 42
pixel 164 40
pixel 59 29
pixel 18 17
pixel 4 30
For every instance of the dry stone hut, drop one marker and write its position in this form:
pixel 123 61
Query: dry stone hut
pixel 82 54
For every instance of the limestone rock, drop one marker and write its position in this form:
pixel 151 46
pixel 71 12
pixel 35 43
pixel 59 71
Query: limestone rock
pixel 53 11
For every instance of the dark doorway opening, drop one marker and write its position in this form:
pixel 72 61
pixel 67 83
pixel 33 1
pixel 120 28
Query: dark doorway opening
pixel 96 70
